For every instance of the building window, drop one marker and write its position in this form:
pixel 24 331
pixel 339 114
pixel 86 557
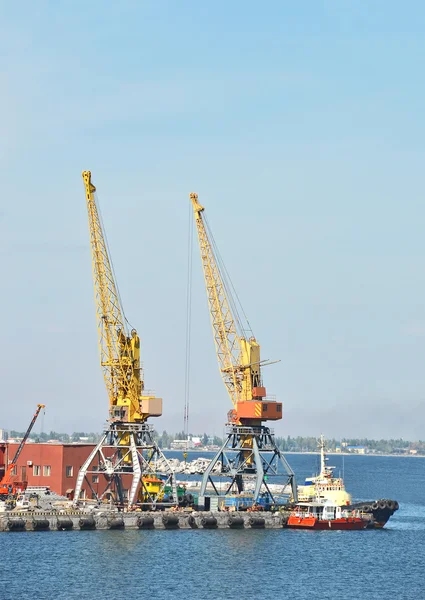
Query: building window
pixel 36 470
pixel 95 479
pixel 14 470
pixel 69 471
pixel 46 470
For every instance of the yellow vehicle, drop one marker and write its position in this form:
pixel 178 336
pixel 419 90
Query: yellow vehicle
pixel 154 490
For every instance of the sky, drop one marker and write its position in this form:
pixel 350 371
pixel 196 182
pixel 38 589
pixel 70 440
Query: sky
pixel 301 127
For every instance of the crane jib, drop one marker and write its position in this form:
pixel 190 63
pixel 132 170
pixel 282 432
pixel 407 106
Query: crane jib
pixel 27 433
pixel 119 347
pixel 238 357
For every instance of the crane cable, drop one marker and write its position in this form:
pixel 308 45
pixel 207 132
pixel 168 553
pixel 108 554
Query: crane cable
pixel 109 256
pixel 231 293
pixel 188 322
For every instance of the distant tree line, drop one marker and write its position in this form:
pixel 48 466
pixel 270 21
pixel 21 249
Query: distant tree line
pixel 65 438
pixel 164 440
pixel 286 444
pixel 310 444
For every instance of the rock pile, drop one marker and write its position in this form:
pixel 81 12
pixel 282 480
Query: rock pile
pixel 194 467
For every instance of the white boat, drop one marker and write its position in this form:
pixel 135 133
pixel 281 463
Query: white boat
pixel 22 503
pixel 324 486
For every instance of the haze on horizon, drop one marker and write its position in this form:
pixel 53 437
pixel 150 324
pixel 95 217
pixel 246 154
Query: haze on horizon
pixel 300 126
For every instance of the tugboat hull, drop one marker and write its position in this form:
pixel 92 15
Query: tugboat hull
pixel 312 523
pixel 381 510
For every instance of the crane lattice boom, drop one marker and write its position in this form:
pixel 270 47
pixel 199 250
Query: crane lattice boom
pixel 119 349
pixel 224 330
pixel 238 357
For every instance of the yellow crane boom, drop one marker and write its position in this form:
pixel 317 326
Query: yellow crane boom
pixel 238 356
pixel 119 348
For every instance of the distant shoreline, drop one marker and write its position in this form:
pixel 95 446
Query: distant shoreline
pixel 358 454
pixel 194 450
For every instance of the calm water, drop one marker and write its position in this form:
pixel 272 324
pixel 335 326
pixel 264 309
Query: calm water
pixel 221 564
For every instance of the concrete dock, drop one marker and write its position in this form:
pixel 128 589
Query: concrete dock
pixel 104 520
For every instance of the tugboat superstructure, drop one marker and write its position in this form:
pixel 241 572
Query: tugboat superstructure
pixel 324 486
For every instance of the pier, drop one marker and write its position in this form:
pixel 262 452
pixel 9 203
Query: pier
pixel 150 520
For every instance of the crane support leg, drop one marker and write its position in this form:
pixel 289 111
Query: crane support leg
pixel 259 466
pixel 128 468
pixel 213 465
pixel 249 461
pixel 291 475
pixel 85 467
pixel 137 471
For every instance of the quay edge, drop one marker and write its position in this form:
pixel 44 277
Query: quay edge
pixel 76 520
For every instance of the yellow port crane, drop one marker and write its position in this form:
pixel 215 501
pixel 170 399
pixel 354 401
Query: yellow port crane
pixel 127 448
pixel 238 356
pixel 240 367
pixel 119 348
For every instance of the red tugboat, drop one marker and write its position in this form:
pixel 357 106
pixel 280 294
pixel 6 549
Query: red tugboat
pixel 325 515
pixel 325 488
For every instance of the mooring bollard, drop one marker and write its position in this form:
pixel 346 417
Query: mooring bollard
pixel 145 523
pixel 170 521
pixel 257 522
pixel 116 523
pixel 40 524
pixel 87 523
pixel 15 525
pixel 236 522
pixel 64 524
pixel 209 522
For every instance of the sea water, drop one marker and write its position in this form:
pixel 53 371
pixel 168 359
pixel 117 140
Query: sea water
pixel 231 564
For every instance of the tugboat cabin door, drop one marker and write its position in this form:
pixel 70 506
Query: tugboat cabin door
pixel 331 512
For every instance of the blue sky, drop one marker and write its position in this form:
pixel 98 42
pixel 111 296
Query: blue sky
pixel 301 127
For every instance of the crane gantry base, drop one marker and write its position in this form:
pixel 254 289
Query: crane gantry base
pixel 249 454
pixel 122 468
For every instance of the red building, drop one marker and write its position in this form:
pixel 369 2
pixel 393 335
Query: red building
pixel 54 466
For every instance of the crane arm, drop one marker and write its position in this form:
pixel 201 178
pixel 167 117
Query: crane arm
pixel 225 335
pixel 8 478
pixel 119 348
pixel 27 433
pixel 238 356
pixel 119 352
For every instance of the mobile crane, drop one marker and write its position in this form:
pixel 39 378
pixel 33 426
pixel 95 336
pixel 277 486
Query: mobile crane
pixel 9 486
pixel 127 445
pixel 250 448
